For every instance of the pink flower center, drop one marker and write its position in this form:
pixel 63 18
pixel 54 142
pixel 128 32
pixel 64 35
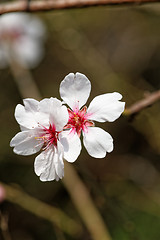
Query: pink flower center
pixel 10 35
pixel 49 136
pixel 78 120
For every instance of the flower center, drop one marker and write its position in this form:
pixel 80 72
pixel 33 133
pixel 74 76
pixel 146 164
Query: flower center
pixel 49 136
pixel 10 35
pixel 78 121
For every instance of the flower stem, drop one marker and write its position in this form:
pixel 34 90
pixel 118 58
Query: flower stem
pixel 84 204
pixel 147 101
pixel 24 81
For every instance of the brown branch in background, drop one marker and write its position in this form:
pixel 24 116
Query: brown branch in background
pixel 46 5
pixel 24 81
pixel 143 103
pixel 4 226
pixel 41 209
pixel 85 205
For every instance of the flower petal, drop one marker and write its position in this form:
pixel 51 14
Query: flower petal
pixel 31 104
pixel 106 107
pixel 71 144
pixel 25 143
pixel 23 35
pixel 29 116
pixel 58 114
pixel 97 142
pixel 30 55
pixel 35 28
pixel 25 118
pixel 24 128
pixel 59 165
pixel 75 90
pixel 49 165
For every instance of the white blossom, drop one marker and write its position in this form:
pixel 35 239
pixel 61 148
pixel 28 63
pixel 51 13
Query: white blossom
pixel 21 39
pixel 75 90
pixel 42 126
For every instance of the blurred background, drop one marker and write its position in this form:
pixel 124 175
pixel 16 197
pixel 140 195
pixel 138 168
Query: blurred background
pixel 118 49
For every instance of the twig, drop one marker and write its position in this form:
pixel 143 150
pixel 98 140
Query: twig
pixel 46 5
pixel 24 81
pixel 43 210
pixel 84 204
pixel 4 226
pixel 142 104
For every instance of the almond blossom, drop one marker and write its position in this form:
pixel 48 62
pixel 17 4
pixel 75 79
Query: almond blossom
pixel 42 126
pixel 75 90
pixel 21 39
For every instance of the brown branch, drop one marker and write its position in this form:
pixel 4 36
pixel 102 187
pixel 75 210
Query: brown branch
pixel 46 5
pixel 41 209
pixel 85 205
pixel 23 80
pixel 143 103
pixel 4 226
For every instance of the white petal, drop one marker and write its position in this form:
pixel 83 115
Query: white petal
pixel 31 104
pixel 49 165
pixel 11 20
pixel 75 90
pixel 97 142
pixel 58 114
pixel 28 51
pixel 25 118
pixel 44 165
pixel 29 116
pixel 71 144
pixel 59 117
pixel 59 165
pixel 106 107
pixel 25 143
pixel 27 48
pixel 36 28
pixel 45 104
pixel 24 128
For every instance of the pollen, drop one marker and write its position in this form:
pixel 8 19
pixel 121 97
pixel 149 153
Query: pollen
pixel 49 136
pixel 78 120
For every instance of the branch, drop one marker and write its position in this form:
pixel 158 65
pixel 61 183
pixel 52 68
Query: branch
pixel 85 205
pixel 141 104
pixel 23 80
pixel 54 215
pixel 46 5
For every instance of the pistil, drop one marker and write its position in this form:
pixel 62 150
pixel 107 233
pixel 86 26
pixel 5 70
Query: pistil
pixel 78 120
pixel 49 137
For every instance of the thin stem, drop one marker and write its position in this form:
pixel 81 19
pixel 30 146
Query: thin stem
pixel 4 226
pixel 47 5
pixel 24 81
pixel 149 99
pixel 84 204
pixel 43 210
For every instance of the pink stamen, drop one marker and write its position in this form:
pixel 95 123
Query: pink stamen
pixel 50 136
pixel 11 35
pixel 78 120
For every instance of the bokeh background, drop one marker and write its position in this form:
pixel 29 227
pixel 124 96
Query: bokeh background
pixel 118 49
